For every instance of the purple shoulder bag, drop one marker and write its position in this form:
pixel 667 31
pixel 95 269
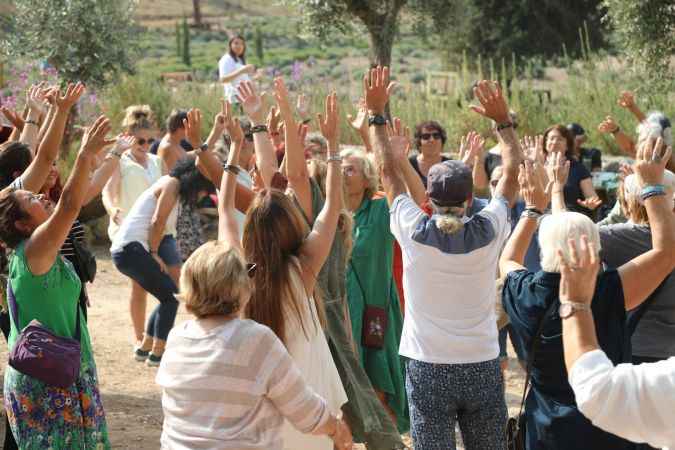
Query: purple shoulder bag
pixel 41 354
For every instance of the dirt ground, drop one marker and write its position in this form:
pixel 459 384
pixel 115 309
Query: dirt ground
pixel 130 396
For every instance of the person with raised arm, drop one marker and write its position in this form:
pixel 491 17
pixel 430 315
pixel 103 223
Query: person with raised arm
pixel 450 334
pixel 216 285
pixel 531 302
pixel 289 257
pixel 46 288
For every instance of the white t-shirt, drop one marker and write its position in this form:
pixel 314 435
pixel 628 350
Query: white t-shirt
pixel 449 283
pixel 226 66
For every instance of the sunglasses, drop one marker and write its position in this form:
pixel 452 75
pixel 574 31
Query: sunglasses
pixel 249 137
pixel 426 136
pixel 143 141
pixel 250 269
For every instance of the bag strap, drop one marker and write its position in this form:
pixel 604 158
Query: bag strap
pixel 530 359
pixel 14 308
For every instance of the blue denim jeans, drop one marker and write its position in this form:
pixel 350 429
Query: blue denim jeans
pixel 441 395
pixel 138 264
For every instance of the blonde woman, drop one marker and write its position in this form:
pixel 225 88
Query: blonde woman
pixel 138 170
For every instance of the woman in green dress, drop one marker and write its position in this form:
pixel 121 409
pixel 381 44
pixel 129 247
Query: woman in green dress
pixel 370 283
pixel 47 288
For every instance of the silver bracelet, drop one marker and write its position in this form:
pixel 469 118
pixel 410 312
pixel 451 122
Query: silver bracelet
pixel 334 158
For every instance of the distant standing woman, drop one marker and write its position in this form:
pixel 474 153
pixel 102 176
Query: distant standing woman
pixel 232 68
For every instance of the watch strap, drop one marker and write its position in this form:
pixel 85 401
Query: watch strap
pixel 377 119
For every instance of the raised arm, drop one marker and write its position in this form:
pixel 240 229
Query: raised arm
pixel 266 160
pixel 31 128
pixel 296 166
pixel 360 125
pixel 557 169
pixel 228 227
pixel 399 140
pixel 471 153
pixel 493 106
pixel 377 89
pixel 627 101
pixel 35 175
pixel 624 141
pixel 45 243
pixel 641 275
pixel 536 200
pixel 315 248
pixel 110 166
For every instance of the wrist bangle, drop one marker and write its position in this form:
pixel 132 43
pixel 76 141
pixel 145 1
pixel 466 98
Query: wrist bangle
pixel 258 129
pixel 116 154
pixel 234 170
pixel 505 125
pixel 30 122
pixel 531 213
pixel 334 158
pixel 652 191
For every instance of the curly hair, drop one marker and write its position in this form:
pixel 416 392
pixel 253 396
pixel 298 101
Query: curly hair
pixel 432 125
pixel 190 180
pixel 15 157
pixel 10 213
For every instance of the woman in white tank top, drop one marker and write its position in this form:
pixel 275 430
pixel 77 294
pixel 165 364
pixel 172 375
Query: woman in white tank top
pixel 144 250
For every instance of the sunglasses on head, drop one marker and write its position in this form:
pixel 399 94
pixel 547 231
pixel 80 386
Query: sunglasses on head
pixel 426 136
pixel 143 141
pixel 250 269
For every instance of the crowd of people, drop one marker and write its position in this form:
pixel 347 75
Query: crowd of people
pixel 353 293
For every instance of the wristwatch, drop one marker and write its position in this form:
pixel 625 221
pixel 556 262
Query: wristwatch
pixel 377 119
pixel 567 309
pixel 202 148
pixel 503 126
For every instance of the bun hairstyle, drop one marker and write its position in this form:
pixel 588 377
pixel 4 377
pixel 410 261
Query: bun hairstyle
pixel 138 117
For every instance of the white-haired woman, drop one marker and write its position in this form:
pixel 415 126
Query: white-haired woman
pixel 229 382
pixel 531 300
pixel 371 288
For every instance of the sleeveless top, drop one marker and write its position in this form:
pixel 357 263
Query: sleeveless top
pixel 134 180
pixel 136 225
pixel 51 298
pixel 310 352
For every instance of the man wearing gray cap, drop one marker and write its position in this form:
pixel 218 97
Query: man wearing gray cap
pixel 449 263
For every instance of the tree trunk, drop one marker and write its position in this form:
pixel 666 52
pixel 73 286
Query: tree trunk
pixel 381 32
pixel 197 13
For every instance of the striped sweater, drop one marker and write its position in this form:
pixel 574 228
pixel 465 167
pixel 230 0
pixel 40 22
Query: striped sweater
pixel 231 387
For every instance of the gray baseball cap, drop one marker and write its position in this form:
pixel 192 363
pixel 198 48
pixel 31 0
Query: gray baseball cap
pixel 449 183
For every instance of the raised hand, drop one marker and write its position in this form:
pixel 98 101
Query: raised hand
pixel 471 148
pixel 250 101
pixel 94 139
pixel 303 129
pixel 579 272
pixel 329 122
pixel 557 169
pixel 626 100
pixel 531 187
pixel 302 106
pixel 231 124
pixel 492 102
pixel 70 97
pixel 219 120
pixel 650 162
pixel 124 142
pixel 15 119
pixel 193 127
pixel 35 98
pixel 274 121
pixel 377 89
pixel 533 148
pixel 625 169
pixel 282 98
pixel 399 139
pixel 608 125
pixel 360 122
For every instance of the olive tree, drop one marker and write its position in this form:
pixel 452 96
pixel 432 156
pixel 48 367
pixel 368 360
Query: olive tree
pixel 87 40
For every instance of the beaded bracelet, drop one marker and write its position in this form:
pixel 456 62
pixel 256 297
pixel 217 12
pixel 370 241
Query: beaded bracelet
pixel 651 191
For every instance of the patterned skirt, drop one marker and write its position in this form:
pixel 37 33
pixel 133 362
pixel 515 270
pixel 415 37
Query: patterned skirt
pixel 189 232
pixel 47 417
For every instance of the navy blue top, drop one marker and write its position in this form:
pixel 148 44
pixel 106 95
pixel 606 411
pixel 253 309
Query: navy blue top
pixel 572 189
pixel 553 420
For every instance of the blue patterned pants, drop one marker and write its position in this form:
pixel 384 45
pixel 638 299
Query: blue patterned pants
pixel 440 395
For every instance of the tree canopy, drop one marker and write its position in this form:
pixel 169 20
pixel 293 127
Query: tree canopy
pixel 87 40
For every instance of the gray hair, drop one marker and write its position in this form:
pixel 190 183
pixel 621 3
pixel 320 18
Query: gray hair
pixel 654 126
pixel 367 166
pixel 450 221
pixel 554 232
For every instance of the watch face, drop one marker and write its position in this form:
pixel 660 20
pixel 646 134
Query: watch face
pixel 565 310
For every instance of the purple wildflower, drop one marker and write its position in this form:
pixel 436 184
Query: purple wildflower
pixel 296 71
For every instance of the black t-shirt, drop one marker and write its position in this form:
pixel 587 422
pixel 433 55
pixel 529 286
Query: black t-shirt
pixel 416 166
pixel 573 192
pixel 591 158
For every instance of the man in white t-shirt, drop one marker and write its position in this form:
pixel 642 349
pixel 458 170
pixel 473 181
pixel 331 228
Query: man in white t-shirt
pixel 449 266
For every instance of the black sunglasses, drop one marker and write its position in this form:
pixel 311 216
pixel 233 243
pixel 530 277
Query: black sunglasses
pixel 250 269
pixel 143 141
pixel 427 136
pixel 249 137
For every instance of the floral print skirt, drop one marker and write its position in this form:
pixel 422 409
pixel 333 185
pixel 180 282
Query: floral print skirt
pixel 47 417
